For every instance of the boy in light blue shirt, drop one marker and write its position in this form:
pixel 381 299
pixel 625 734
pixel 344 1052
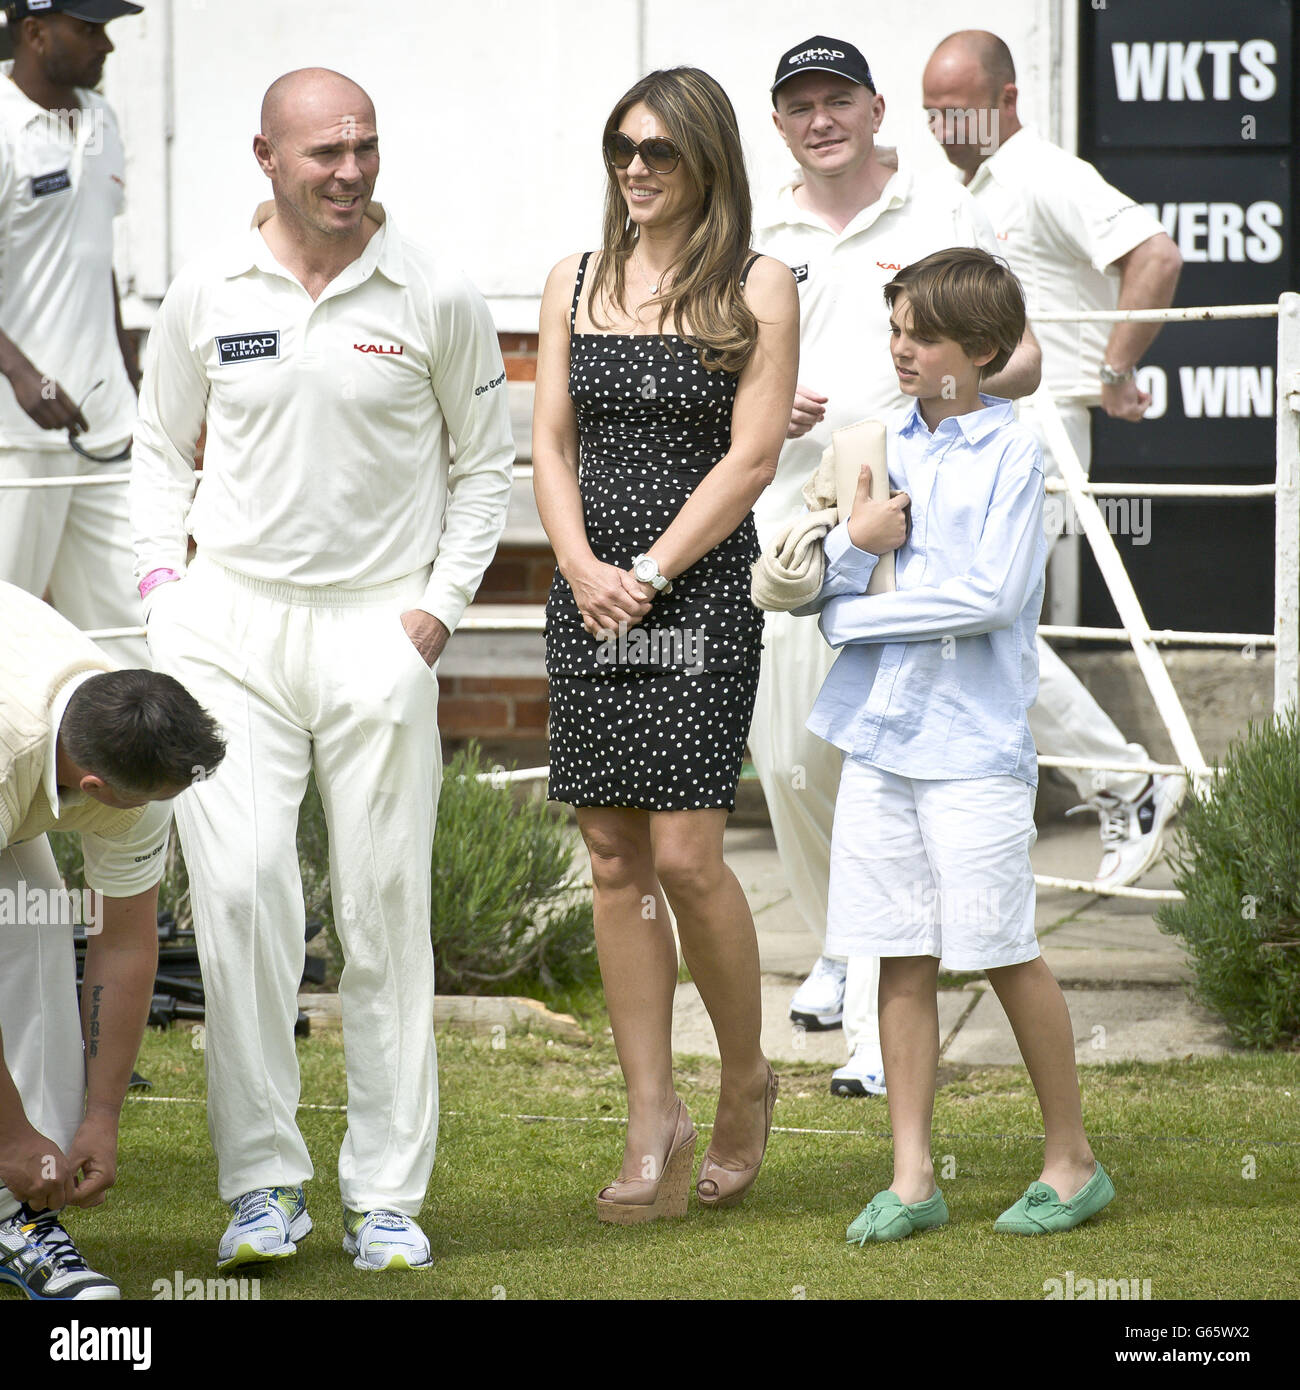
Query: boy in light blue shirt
pixel 928 700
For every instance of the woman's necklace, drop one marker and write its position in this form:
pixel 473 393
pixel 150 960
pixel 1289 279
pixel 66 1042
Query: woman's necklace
pixel 653 287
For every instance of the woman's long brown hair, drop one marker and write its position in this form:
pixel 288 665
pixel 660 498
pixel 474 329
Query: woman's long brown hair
pixel 705 294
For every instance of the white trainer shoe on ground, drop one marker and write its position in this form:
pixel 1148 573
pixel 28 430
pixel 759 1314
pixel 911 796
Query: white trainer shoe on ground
pixel 862 1075
pixel 38 1256
pixel 1132 832
pixel 385 1240
pixel 266 1225
pixel 818 1003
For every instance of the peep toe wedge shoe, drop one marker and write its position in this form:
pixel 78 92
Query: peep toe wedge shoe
pixel 725 1187
pixel 629 1201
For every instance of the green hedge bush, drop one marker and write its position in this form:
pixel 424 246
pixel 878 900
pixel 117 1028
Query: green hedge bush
pixel 1237 861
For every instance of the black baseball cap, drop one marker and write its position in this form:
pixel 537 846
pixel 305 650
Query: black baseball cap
pixel 94 11
pixel 822 54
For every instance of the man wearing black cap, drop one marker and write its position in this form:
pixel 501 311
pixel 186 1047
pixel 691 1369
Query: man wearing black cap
pixel 850 220
pixel 67 368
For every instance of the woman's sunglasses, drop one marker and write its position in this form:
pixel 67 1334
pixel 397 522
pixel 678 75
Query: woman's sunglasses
pixel 658 155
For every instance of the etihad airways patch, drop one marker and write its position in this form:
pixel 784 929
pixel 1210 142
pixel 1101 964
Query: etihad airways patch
pixel 249 347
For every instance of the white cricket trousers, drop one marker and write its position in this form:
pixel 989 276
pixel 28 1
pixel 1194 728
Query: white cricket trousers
pixel 800 775
pixel 74 542
pixel 39 1018
pixel 311 679
pixel 1065 720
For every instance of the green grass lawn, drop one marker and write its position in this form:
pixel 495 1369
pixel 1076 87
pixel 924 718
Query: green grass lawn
pixel 511 1213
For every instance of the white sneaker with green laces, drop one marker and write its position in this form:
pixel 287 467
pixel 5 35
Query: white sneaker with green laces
pixel 384 1240
pixel 266 1225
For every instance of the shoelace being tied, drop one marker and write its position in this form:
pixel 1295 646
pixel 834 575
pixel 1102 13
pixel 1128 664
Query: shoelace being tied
pixel 45 1232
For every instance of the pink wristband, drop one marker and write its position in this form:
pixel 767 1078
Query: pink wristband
pixel 155 577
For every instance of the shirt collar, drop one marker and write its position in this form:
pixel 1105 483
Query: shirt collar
pixel 976 426
pixel 12 94
pixel 1015 151
pixel 382 252
pixel 785 212
pixel 50 777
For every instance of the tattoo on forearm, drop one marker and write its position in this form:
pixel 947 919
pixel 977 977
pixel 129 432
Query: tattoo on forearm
pixel 93 1040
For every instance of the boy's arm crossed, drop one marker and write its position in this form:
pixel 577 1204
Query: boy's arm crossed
pixel 990 594
pixel 854 547
pixel 848 570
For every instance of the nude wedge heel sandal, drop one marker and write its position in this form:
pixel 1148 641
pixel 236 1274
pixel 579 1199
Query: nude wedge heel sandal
pixel 630 1201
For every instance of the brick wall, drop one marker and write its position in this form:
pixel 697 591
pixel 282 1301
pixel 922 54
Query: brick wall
pixel 506 714
pixel 520 353
pixel 518 574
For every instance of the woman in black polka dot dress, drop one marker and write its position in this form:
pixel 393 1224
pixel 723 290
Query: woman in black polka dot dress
pixel 666 370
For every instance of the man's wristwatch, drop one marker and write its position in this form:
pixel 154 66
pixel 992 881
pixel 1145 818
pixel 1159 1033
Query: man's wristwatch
pixel 1110 377
pixel 646 569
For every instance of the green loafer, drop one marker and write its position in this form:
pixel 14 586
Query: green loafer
pixel 888 1218
pixel 1041 1212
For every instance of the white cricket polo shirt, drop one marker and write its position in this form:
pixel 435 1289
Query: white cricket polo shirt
pixel 844 320
pixel 61 185
pixel 327 459
pixel 1060 225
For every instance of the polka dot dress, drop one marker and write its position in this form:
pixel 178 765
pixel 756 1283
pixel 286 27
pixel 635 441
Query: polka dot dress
pixel 656 717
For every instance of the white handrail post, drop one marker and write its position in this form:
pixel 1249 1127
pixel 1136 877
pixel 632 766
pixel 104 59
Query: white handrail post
pixel 1122 594
pixel 1286 668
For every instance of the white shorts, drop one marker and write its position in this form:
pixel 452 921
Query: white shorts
pixel 921 867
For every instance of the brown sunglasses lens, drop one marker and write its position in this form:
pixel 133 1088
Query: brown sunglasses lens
pixel 659 156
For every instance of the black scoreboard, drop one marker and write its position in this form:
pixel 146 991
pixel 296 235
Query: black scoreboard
pixel 1187 106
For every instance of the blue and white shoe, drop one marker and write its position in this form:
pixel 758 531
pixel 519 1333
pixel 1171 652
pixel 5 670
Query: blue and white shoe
pixel 384 1240
pixel 1132 832
pixel 818 1003
pixel 38 1256
pixel 862 1075
pixel 266 1225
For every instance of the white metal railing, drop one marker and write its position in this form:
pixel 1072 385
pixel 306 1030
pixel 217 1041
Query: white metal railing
pixel 71 480
pixel 1135 630
pixel 1285 640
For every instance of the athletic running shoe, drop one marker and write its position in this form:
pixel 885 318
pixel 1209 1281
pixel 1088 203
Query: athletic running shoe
pixel 38 1255
pixel 862 1075
pixel 1132 832
pixel 818 1003
pixel 384 1240
pixel 266 1225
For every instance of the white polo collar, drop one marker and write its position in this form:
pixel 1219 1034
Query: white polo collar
pixel 50 777
pixel 786 212
pixel 382 252
pixel 1018 149
pixel 22 106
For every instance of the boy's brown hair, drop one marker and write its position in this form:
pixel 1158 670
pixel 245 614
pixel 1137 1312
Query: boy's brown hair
pixel 967 296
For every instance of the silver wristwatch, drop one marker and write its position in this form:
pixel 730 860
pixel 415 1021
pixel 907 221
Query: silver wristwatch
pixel 646 569
pixel 1110 377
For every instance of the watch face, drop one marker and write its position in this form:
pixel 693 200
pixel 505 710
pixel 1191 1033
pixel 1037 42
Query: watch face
pixel 644 570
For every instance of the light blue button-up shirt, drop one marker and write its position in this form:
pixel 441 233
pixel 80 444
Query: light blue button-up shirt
pixel 935 679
